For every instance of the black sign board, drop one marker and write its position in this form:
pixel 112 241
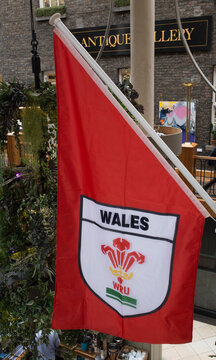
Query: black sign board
pixel 167 36
pixel 118 41
pixel 197 32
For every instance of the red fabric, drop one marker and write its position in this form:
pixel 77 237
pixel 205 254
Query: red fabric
pixel 102 158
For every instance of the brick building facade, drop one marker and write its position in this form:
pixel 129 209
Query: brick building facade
pixel 171 68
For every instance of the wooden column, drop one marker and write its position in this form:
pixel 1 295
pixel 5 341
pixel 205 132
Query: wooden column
pixel 187 158
pixel 13 150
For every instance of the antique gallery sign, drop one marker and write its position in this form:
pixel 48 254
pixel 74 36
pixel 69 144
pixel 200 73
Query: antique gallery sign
pixel 167 36
pixel 197 32
pixel 118 41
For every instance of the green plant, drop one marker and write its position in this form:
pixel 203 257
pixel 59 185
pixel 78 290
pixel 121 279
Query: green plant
pixel 119 3
pixel 1 178
pixel 131 94
pixel 27 244
pixel 28 207
pixel 28 201
pixel 49 11
pixel 33 121
pixel 47 101
pixel 84 336
pixel 39 113
pixel 13 95
pixel 127 89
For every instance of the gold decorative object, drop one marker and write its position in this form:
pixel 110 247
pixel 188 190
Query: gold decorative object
pixel 188 86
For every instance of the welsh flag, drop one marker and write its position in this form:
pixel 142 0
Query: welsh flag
pixel 128 229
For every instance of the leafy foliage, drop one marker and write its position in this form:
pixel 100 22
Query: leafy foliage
pixel 47 101
pixel 119 3
pixel 127 89
pixel 27 219
pixel 131 94
pixel 49 11
pixel 33 121
pixel 28 202
pixel 27 243
pixel 12 97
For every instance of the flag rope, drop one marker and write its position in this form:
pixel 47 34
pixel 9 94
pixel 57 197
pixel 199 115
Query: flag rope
pixel 187 48
pixel 56 22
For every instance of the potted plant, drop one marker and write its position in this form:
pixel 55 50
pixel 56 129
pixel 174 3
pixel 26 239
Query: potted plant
pixel 84 339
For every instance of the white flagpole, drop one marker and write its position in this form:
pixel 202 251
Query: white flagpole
pixel 56 22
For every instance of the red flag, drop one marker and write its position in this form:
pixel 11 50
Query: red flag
pixel 128 229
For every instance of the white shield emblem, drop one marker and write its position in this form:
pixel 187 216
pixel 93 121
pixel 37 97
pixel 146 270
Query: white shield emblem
pixel 126 256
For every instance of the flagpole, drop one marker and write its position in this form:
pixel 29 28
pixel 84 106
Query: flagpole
pixel 56 22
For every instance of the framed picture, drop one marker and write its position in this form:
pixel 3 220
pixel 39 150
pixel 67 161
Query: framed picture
pixel 174 113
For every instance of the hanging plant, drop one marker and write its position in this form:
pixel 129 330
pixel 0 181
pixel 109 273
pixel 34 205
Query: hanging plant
pixel 12 97
pixel 34 123
pixel 131 94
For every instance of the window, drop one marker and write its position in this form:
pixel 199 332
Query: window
pixel 51 3
pixel 49 76
pixel 124 74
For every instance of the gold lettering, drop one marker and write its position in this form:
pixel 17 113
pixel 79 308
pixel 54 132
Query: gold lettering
pixel 189 33
pixel 118 40
pixel 84 43
pixel 155 37
pixel 95 39
pixel 112 44
pixel 173 35
pixel 163 36
pixel 179 34
pixel 127 39
pixel 100 39
pixel 91 41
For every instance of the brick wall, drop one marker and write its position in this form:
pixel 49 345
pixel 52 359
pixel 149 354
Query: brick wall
pixel 15 36
pixel 171 69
